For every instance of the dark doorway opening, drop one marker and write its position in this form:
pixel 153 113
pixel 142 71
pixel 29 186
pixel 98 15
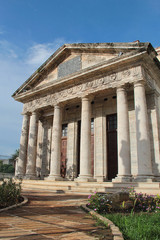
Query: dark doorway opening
pixel 64 150
pixel 92 147
pixel 112 161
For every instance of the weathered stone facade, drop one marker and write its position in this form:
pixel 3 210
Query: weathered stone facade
pixel 91 113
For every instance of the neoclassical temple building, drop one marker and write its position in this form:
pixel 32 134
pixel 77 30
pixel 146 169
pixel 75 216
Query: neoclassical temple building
pixel 91 113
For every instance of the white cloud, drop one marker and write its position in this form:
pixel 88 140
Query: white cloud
pixel 2 31
pixel 38 53
pixel 7 50
pixel 16 65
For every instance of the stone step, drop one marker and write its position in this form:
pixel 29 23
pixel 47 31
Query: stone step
pixel 79 189
pixel 106 184
pixel 70 184
pixel 90 187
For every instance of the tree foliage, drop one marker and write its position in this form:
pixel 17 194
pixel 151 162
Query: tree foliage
pixel 7 168
pixel 10 193
pixel 14 156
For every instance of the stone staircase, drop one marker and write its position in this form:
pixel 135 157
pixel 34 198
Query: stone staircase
pixel 90 187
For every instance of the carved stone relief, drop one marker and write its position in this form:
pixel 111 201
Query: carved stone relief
pixel 111 81
pixel 149 80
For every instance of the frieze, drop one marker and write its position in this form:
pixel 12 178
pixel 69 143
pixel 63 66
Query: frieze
pixel 111 81
pixel 150 82
pixel 126 73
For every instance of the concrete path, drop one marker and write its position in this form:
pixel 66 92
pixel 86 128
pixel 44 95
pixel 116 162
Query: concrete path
pixel 51 216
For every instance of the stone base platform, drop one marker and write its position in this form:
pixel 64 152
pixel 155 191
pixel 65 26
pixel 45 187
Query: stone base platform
pixel 90 187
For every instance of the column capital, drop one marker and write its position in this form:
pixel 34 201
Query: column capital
pixel 58 105
pixel 125 87
pixel 25 114
pixel 34 113
pixel 139 83
pixel 87 98
pixel 121 88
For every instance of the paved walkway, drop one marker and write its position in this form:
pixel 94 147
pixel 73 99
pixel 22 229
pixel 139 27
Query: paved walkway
pixel 50 216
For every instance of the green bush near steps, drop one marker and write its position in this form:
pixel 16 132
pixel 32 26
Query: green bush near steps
pixel 10 193
pixel 138 218
pixel 139 226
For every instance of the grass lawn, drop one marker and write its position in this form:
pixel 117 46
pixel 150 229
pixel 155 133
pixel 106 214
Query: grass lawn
pixel 138 226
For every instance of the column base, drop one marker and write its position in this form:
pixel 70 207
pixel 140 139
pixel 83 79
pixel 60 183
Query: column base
pixel 157 178
pixel 54 178
pixel 128 178
pixel 19 176
pixel 143 178
pixel 30 177
pixel 85 179
pixel 100 179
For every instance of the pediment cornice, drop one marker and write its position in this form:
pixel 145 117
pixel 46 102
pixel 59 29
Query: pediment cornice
pixel 66 50
pixel 106 67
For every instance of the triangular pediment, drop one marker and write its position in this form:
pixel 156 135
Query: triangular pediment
pixel 73 58
pixel 73 64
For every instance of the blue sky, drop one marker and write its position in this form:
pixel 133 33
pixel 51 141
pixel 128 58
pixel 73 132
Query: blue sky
pixel 31 30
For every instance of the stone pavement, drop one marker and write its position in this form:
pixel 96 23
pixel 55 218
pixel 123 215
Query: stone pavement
pixel 50 215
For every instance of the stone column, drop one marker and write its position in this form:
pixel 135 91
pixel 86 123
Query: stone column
pixel 22 159
pixel 85 146
pixel 56 145
pixel 155 136
pixel 142 134
pixel 124 162
pixel 39 168
pixel 71 171
pixel 32 147
pixel 100 143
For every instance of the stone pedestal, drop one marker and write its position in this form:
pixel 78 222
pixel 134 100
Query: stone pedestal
pixel 32 148
pixel 124 162
pixel 22 159
pixel 56 145
pixel 142 134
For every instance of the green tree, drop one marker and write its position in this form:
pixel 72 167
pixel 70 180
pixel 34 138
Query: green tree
pixel 10 169
pixel 1 165
pixel 14 156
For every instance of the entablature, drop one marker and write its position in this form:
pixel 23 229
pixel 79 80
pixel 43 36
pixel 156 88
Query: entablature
pixel 90 87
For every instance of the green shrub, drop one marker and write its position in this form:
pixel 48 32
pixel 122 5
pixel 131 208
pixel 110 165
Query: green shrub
pixel 138 226
pixel 140 203
pixel 10 193
pixel 146 203
pixel 141 223
pixel 99 203
pixel 7 168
